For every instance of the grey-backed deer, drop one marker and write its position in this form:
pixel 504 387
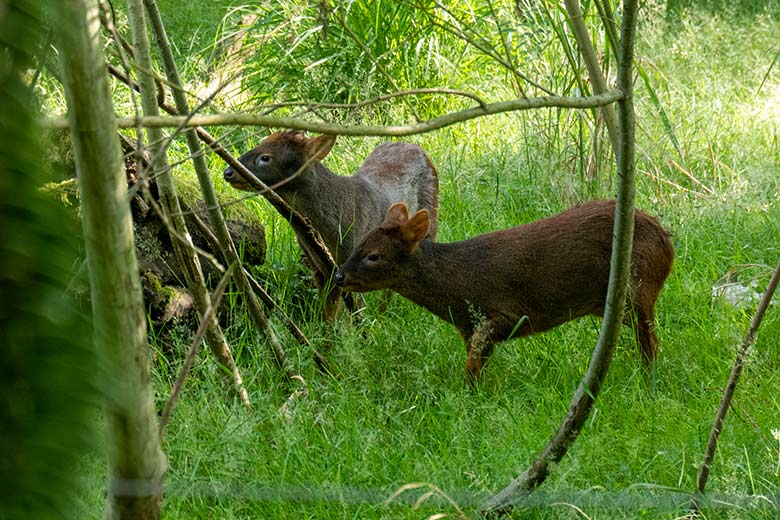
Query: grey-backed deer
pixel 517 281
pixel 342 208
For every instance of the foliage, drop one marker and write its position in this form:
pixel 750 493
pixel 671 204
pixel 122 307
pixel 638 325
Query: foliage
pixel 46 391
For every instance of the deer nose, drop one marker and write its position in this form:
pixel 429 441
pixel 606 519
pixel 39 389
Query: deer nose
pixel 228 173
pixel 339 278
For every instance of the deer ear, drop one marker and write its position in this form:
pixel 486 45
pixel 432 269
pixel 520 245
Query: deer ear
pixel 319 147
pixel 415 230
pixel 396 215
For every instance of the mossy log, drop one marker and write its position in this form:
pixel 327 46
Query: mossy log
pixel 165 293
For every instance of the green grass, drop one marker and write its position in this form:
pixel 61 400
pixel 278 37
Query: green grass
pixel 399 410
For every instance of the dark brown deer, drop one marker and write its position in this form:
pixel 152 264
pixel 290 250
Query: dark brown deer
pixel 342 208
pixel 517 281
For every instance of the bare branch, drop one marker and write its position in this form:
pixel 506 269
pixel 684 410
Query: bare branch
pixel 590 386
pixel 728 394
pixel 366 130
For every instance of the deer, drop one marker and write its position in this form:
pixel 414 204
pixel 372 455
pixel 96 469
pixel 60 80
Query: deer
pixel 518 281
pixel 342 208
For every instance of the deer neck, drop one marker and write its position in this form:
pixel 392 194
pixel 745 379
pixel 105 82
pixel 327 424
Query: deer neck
pixel 328 200
pixel 438 277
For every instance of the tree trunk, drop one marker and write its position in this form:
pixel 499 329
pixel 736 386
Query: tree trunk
pixel 136 464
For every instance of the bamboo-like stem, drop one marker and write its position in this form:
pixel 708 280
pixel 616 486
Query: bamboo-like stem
pixel 322 127
pixel 185 256
pixel 591 383
pixel 610 27
pixel 731 385
pixel 201 169
pixel 592 63
pixel 136 463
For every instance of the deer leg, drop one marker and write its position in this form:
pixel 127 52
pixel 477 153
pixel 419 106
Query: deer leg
pixel 648 341
pixel 643 320
pixel 479 346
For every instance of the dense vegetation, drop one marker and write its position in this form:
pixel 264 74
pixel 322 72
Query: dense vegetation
pixel 397 410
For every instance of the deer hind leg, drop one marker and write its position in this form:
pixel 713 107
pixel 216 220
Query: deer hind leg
pixel 648 341
pixel 642 317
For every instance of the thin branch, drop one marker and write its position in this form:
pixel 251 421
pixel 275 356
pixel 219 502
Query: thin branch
pixel 311 107
pixel 189 359
pixel 435 123
pixel 201 169
pixel 728 394
pixel 169 200
pixel 590 386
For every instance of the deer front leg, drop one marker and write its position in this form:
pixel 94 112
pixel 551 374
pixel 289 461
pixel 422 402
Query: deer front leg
pixel 479 345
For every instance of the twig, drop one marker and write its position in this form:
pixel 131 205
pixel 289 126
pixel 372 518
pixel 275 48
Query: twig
pixel 690 176
pixel 731 385
pixel 205 319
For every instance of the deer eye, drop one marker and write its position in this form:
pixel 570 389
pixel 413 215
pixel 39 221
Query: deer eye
pixel 373 257
pixel 263 159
